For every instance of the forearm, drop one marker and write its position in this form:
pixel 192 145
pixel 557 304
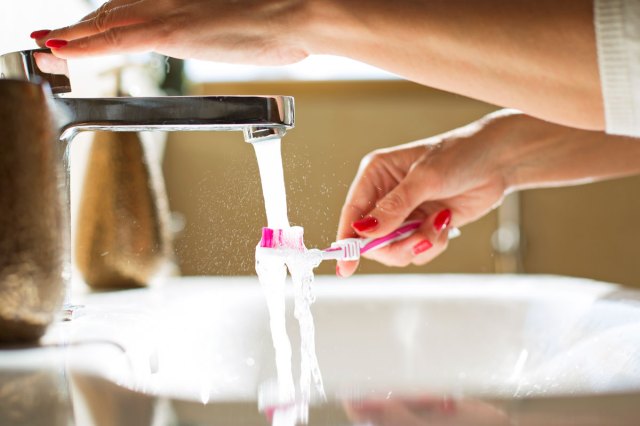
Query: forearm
pixel 541 154
pixel 538 56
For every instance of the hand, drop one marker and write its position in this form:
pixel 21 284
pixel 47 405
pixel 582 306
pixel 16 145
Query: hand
pixel 455 178
pixel 254 31
pixel 448 180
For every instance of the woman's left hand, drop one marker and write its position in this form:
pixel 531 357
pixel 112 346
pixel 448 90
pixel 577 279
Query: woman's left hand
pixel 257 32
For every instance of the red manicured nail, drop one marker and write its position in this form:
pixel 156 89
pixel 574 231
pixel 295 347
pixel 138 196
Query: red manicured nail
pixel 366 224
pixel 56 43
pixel 39 34
pixel 422 246
pixel 442 220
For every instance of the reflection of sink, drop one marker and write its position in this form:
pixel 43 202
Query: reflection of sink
pixel 559 345
pixel 208 338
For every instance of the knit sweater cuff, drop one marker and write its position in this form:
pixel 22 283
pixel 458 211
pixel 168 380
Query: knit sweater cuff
pixel 617 26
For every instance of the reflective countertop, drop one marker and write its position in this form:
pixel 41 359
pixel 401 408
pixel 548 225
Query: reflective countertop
pixel 393 350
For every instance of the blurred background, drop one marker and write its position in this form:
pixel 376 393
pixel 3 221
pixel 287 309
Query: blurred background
pixel 343 111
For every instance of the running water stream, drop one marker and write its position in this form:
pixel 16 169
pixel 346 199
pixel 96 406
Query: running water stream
pixel 271 267
pixel 269 158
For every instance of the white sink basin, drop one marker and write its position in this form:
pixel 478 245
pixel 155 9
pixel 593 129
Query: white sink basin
pixel 496 335
pixel 207 339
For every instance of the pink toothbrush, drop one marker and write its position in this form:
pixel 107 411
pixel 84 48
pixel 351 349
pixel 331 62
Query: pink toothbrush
pixel 346 249
pixel 353 248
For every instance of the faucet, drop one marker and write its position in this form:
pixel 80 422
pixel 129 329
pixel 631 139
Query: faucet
pixel 258 117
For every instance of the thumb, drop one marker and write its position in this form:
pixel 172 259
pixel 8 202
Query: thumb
pixel 391 210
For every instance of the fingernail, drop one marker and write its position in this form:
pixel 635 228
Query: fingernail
pixel 56 43
pixel 422 246
pixel 39 34
pixel 366 224
pixel 338 271
pixel 442 220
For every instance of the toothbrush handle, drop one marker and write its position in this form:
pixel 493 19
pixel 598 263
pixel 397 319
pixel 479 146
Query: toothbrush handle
pixel 404 231
pixel 352 248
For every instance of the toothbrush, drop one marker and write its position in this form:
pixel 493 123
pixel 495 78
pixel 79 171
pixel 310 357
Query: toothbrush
pixel 353 248
pixel 346 249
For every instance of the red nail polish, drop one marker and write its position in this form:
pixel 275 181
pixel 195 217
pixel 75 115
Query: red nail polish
pixel 442 220
pixel 39 34
pixel 422 246
pixel 56 43
pixel 366 224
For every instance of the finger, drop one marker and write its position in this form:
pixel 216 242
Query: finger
pixel 344 269
pixel 422 246
pixel 130 39
pixel 360 199
pixel 102 22
pixel 352 210
pixel 440 244
pixel 431 239
pixel 50 64
pixel 429 235
pixel 392 209
pixel 41 36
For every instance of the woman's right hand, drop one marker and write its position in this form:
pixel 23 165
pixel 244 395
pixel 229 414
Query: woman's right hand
pixel 457 177
pixel 444 181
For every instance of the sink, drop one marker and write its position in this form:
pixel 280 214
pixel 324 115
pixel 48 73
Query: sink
pixel 517 347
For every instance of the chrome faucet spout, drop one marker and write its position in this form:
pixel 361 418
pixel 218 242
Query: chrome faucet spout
pixel 259 117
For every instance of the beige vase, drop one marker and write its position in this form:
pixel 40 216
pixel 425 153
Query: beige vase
pixel 122 238
pixel 33 230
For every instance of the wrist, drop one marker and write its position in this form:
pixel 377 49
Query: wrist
pixel 504 137
pixel 529 149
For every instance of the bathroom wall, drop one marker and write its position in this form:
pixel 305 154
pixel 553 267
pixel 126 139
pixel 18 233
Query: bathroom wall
pixel 212 180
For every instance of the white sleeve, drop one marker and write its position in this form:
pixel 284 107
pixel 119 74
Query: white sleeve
pixel 617 25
